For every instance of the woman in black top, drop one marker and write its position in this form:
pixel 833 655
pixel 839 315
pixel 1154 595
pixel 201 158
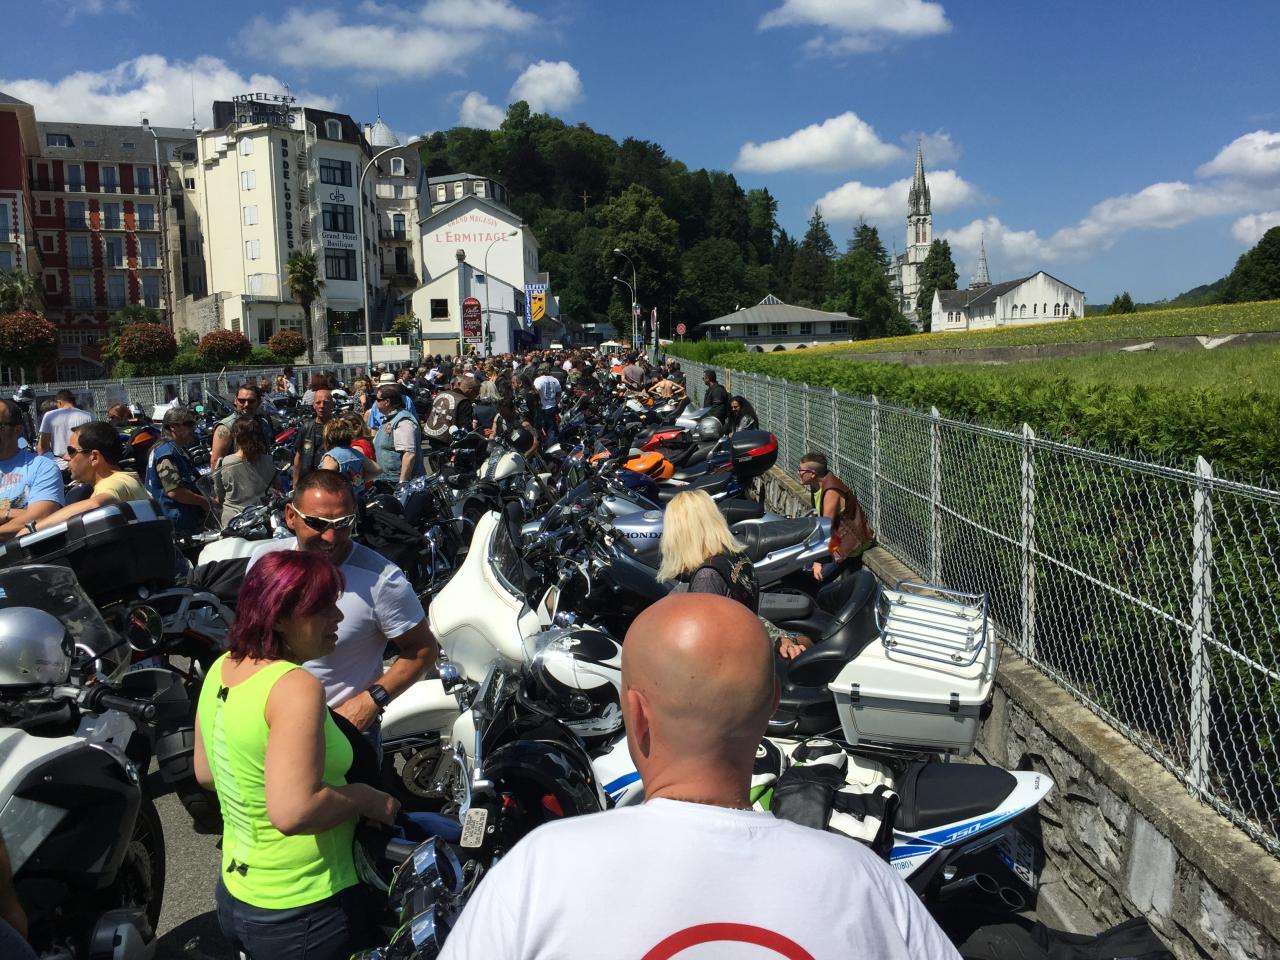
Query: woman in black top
pixel 742 415
pixel 700 552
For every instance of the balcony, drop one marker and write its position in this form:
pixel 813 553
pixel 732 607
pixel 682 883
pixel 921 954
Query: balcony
pixel 83 302
pixel 78 223
pixel 115 303
pixel 147 223
pixel 6 237
pixel 149 263
pixel 393 236
pixel 74 188
pixel 109 188
pixel 81 261
pixel 399 276
pixel 144 188
pixel 112 223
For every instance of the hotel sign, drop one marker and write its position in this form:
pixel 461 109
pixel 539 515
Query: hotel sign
pixel 338 241
pixel 273 109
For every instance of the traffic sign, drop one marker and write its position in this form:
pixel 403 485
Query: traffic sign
pixel 680 329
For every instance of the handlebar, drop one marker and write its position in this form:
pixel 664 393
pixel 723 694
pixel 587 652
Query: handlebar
pixel 99 699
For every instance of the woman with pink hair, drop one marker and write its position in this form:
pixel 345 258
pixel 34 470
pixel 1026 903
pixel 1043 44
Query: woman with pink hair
pixel 265 741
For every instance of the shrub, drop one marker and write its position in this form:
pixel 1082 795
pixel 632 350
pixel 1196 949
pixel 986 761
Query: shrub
pixel 262 357
pixel 287 344
pixel 27 340
pixel 225 346
pixel 704 351
pixel 146 343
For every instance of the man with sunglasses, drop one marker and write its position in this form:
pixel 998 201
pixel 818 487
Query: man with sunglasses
pixel 378 607
pixel 171 475
pixel 248 402
pixel 851 534
pixel 93 458
pixel 30 486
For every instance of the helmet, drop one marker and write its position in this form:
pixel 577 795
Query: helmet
pixel 639 483
pixel 24 395
pixel 771 763
pixel 708 428
pixel 521 439
pixel 35 648
pixel 652 464
pixel 579 670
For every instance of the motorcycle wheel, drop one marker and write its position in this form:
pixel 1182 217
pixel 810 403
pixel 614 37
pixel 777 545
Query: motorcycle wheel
pixel 140 881
pixel 421 778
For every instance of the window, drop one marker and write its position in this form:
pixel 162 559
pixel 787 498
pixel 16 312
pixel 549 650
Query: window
pixel 338 217
pixel 114 252
pixel 79 254
pixel 246 146
pixel 250 215
pixel 110 177
pixel 440 193
pixel 6 260
pixel 440 308
pixel 479 188
pixel 57 140
pixel 126 145
pixel 752 330
pixel 151 291
pixel 1035 307
pixel 839 326
pixel 1023 311
pixel 149 252
pixel 397 192
pixel 146 215
pixel 46 207
pixel 339 264
pixel 142 180
pixel 335 171
pixel 46 242
pixel 252 249
pixel 397 166
pixel 777 329
pixel 74 174
pixel 457 190
pixel 333 129
pixel 248 179
pixel 111 219
pixel 1045 311
pixel 115 291
pixel 1055 309
pixel 806 329
pixel 397 226
pixel 81 291
pixel 51 282
pixel 189 183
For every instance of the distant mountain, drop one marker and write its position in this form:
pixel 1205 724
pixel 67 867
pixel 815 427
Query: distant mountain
pixel 1199 296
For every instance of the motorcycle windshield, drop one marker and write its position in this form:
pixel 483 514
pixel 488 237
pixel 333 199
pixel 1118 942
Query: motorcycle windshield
pixel 56 591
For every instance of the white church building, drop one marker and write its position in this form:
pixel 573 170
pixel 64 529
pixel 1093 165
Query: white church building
pixel 1034 299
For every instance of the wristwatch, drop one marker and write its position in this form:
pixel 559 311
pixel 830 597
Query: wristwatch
pixel 380 696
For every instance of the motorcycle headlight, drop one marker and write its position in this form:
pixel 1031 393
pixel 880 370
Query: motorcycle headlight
pixel 422 937
pixel 432 867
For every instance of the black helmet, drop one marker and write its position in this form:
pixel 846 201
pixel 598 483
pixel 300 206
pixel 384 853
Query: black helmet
pixel 24 395
pixel 520 439
pixel 579 671
pixel 550 779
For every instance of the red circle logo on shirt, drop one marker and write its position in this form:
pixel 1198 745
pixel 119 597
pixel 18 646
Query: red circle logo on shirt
pixel 682 940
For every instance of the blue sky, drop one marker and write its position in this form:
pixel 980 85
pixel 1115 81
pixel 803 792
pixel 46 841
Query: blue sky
pixel 1131 145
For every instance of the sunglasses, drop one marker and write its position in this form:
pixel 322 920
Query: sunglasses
pixel 322 524
pixel 73 451
pixel 803 470
pixel 248 400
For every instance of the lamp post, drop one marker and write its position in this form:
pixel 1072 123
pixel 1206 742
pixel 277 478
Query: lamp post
pixel 164 227
pixel 364 267
pixel 488 336
pixel 633 288
pixel 632 291
pixel 724 331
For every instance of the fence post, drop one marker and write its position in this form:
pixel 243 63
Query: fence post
pixel 155 392
pixel 1028 543
pixel 1201 627
pixel 875 462
pixel 935 496
pixel 804 406
pixel 835 427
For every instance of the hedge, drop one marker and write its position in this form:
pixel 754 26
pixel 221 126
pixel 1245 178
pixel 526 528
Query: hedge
pixel 703 351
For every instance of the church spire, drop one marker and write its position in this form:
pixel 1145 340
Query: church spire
pixel 918 198
pixel 982 278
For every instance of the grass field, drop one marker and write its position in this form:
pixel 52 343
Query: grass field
pixel 1225 370
pixel 1185 321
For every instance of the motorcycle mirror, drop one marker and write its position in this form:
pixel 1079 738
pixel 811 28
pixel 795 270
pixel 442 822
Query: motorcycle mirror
pixel 143 628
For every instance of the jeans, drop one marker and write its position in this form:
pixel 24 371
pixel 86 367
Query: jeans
pixel 374 736
pixel 330 929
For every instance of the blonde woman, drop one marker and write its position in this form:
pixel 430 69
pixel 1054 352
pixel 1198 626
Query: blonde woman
pixel 701 554
pixel 339 435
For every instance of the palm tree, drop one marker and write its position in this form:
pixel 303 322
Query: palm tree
pixel 303 272
pixel 19 291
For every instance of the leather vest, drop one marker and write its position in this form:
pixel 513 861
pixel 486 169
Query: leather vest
pixel 851 534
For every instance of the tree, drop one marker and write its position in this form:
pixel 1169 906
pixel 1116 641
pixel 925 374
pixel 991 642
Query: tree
pixel 1123 303
pixel 1256 275
pixel 19 291
pixel 712 281
pixel 287 344
pixel 866 237
pixel 762 220
pixel 938 272
pixel 303 273
pixel 27 341
pixel 146 343
pixel 813 273
pixel 636 225
pixel 225 346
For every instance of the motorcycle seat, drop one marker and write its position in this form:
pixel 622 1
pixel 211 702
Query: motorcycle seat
pixel 739 508
pixel 935 794
pixel 712 483
pixel 780 607
pixel 761 539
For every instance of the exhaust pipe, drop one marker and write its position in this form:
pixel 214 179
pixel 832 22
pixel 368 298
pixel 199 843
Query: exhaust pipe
pixel 975 882
pixel 1012 898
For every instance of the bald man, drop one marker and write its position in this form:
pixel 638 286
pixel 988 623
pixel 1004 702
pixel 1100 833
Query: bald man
pixel 694 869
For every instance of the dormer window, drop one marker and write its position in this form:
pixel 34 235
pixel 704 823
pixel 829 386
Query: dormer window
pixel 440 193
pixel 397 166
pixel 457 190
pixel 333 129
pixel 57 140
pixel 479 188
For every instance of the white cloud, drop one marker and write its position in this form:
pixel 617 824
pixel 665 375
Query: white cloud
pixel 1254 156
pixel 147 86
pixel 1249 229
pixel 487 14
pixel 938 146
pixel 838 143
pixel 93 8
pixel 858 26
pixel 1007 249
pixel 477 111
pixel 854 200
pixel 548 86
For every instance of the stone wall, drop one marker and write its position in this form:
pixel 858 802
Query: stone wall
pixel 1122 836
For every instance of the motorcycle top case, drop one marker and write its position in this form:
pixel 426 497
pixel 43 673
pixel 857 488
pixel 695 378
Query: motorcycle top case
pixel 110 549
pixel 754 452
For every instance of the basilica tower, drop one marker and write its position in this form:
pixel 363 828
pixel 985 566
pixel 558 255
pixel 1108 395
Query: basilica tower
pixel 919 235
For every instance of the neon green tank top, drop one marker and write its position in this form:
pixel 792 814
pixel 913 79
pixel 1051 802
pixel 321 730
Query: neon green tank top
pixel 260 865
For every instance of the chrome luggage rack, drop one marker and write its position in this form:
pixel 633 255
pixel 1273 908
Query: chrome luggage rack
pixel 933 623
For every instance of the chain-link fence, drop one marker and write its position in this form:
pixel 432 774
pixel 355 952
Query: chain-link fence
pixel 148 392
pixel 1151 593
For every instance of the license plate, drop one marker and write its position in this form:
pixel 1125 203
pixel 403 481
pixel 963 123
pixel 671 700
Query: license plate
pixel 1019 854
pixel 473 827
pixel 147 663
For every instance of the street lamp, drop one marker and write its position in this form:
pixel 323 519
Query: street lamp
pixel 724 331
pixel 632 291
pixel 364 268
pixel 633 288
pixel 488 337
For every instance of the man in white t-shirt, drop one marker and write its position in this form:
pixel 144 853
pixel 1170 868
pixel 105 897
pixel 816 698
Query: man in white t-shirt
pixel 694 871
pixel 57 424
pixel 378 606
pixel 548 388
